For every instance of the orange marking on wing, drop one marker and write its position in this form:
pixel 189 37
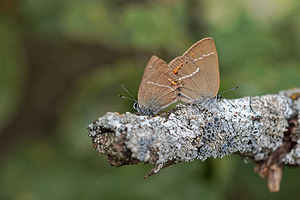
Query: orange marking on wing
pixel 175 71
pixel 295 96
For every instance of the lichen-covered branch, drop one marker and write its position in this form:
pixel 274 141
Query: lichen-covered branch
pixel 261 129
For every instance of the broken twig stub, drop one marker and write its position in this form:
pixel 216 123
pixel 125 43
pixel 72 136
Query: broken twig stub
pixel 252 127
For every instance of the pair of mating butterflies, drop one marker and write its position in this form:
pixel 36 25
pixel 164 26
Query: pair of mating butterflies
pixel 186 78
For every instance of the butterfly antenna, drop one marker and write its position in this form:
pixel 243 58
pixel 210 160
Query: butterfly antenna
pixel 237 87
pixel 132 98
pixel 124 97
pixel 219 96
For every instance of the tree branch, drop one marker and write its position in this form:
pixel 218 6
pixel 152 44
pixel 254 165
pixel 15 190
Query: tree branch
pixel 262 129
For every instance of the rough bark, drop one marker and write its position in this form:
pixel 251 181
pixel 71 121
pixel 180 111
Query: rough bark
pixel 264 130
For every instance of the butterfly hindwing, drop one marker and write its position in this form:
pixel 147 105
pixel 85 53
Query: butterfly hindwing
pixel 194 83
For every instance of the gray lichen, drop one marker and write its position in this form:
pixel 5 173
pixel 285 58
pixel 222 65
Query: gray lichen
pixel 251 126
pixel 293 157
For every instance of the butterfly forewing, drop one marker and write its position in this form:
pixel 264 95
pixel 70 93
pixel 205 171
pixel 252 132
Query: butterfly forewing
pixel 198 70
pixel 158 87
pixel 204 53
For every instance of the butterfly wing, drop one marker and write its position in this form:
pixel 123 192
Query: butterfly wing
pixel 198 69
pixel 158 87
pixel 204 53
pixel 194 82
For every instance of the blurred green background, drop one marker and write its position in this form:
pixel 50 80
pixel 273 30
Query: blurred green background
pixel 61 66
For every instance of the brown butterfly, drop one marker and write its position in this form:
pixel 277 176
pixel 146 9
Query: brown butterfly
pixel 186 78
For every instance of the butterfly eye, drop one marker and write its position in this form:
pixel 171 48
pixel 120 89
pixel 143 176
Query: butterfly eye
pixel 135 105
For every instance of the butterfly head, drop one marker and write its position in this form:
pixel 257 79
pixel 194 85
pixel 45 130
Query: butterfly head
pixel 136 106
pixel 142 110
